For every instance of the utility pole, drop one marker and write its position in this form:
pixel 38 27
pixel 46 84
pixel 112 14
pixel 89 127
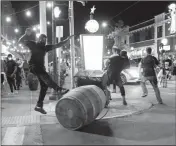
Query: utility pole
pixel 43 26
pixel 72 43
pixel 54 94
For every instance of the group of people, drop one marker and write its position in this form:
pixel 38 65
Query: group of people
pixel 167 69
pixel 12 72
pixel 119 61
pixel 116 63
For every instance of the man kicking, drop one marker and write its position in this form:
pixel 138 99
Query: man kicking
pixel 36 65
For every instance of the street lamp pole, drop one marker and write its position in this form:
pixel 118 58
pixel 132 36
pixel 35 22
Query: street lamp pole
pixel 71 26
pixel 54 94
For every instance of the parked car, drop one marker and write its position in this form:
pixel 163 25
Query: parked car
pixel 131 75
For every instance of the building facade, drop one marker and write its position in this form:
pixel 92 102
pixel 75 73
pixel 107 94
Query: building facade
pixel 7 28
pixel 150 34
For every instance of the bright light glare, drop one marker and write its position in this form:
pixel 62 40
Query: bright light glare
pixel 57 12
pixel 37 35
pixel 172 6
pixel 8 19
pixel 104 24
pixel 13 42
pixel 16 30
pixel 28 13
pixel 133 73
pixel 93 52
pixel 48 22
pixel 8 43
pixel 164 41
pixel 49 4
pixel 34 28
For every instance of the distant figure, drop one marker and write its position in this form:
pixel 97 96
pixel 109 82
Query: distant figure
pixel 36 66
pixel 11 68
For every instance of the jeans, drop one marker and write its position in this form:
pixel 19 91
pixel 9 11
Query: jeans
pixel 154 83
pixel 45 81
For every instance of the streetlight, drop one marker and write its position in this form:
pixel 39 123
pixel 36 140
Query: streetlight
pixel 37 35
pixel 49 4
pixel 104 24
pixel 48 22
pixel 164 41
pixel 28 13
pixel 34 28
pixel 172 6
pixel 16 30
pixel 57 12
pixel 13 41
pixel 8 19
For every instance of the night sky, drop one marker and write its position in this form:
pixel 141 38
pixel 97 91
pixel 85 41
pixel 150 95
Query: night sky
pixel 105 10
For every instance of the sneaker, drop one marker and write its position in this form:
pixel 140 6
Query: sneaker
pixel 160 102
pixel 144 95
pixel 11 93
pixel 16 92
pixel 64 91
pixel 40 109
pixel 124 102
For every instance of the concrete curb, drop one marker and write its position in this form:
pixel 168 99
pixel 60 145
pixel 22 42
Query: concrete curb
pixel 106 113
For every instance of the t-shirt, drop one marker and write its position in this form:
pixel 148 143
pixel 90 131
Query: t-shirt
pixel 10 66
pixel 116 64
pixel 148 64
pixel 38 52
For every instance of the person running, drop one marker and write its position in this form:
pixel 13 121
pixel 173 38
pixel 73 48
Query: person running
pixel 114 69
pixel 36 66
pixel 148 65
pixel 11 68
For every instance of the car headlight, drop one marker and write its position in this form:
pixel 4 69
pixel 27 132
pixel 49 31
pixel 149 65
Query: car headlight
pixel 134 73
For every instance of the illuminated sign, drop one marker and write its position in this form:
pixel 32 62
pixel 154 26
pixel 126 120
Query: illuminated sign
pixel 172 10
pixel 92 50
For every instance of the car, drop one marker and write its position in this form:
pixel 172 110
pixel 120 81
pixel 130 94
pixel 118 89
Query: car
pixel 131 75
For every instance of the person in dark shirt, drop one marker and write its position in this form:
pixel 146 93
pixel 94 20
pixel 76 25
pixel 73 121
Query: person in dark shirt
pixel 36 66
pixel 11 68
pixel 148 65
pixel 116 65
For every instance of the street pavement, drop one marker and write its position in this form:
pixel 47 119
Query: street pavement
pixel 21 125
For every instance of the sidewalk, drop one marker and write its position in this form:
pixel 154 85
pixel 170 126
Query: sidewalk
pixel 25 114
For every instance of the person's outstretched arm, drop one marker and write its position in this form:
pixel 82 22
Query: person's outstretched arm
pixel 60 44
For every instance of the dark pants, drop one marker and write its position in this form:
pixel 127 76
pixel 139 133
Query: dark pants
pixel 18 81
pixel 118 82
pixel 45 81
pixel 11 82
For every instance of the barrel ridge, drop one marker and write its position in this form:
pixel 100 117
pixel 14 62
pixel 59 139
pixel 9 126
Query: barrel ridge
pixel 81 107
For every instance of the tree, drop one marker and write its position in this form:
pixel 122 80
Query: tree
pixel 120 34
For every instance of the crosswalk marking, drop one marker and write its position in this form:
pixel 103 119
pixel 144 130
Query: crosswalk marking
pixel 14 136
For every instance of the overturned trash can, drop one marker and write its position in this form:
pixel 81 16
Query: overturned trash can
pixel 80 106
pixel 93 77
